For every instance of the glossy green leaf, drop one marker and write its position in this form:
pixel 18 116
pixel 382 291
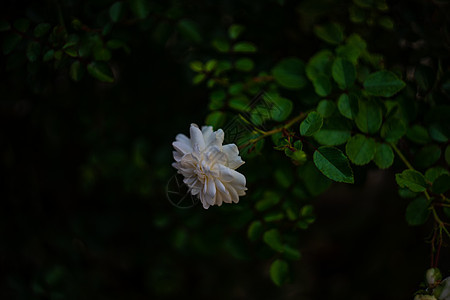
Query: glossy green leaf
pixel 272 238
pixel 369 116
pixel 332 33
pixel 290 73
pixel 101 71
pixel 344 73
pixel 255 230
pixel 393 129
pixel 383 83
pixel 279 272
pixel 417 211
pixel 360 149
pixel 244 47
pixel 333 164
pixel 441 185
pixel 311 124
pixel 384 156
pixel 348 105
pixel 427 156
pixel 411 179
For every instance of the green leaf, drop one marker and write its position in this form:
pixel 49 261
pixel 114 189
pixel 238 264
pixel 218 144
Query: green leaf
pixel 437 133
pixel 311 124
pixel 413 180
pixel 196 66
pixel 189 29
pixel 322 85
pixel 383 83
pixel 215 119
pixel 33 51
pixel 393 129
pixel 198 78
pixel 427 156
pixel 10 42
pixel 48 55
pixel 291 253
pixel 433 173
pixel 101 71
pixel 344 73
pixel 101 53
pixel 369 116
pixel 140 8
pixel 289 73
pixel 76 71
pixel 269 199
pixel 441 185
pixel 425 77
pixel 255 230
pixel 235 31
pixel 41 29
pixel 221 45
pixel 335 131
pixel 418 134
pixel 281 108
pixel 384 156
pixel 354 47
pixel 319 64
pixel 210 65
pixel 279 272
pixel 316 183
pixel 326 108
pixel 333 164
pixel 116 11
pixel 244 47
pixel 348 105
pixel 273 216
pixel 447 155
pixel 331 33
pixel 360 149
pixel 244 64
pixel 417 211
pixel 272 238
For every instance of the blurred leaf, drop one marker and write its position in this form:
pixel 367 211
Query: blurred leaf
pixel 48 55
pixel 189 29
pixel 22 24
pixel 196 66
pixel 316 183
pixel 360 149
pixel 116 11
pixel 279 272
pixel 272 238
pixel 326 108
pixel 101 71
pixel 333 164
pixel 269 199
pixel 418 134
pixel 417 211
pixel 447 155
pixel 386 23
pixel 255 230
pixel 411 179
pixel 425 77
pixel 198 78
pixel 354 47
pixel 140 8
pixel 319 65
pixel 289 73
pixel 117 44
pixel 344 73
pixel 427 156
pixel 442 184
pixel 331 33
pixel 76 71
pixel 335 131
pixel 244 64
pixel 433 173
pixel 273 216
pixel 4 25
pixel 348 105
pixel 384 156
pixel 41 29
pixel 33 51
pixel 437 133
pixel 235 31
pixel 383 83
pixel 369 116
pixel 10 42
pixel 322 85
pixel 311 124
pixel 281 108
pixel 393 129
pixel 215 119
pixel 221 45
pixel 244 47
pixel 291 253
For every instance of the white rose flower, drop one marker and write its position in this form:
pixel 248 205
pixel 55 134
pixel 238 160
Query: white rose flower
pixel 208 167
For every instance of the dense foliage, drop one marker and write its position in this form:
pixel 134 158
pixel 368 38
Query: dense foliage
pixel 313 92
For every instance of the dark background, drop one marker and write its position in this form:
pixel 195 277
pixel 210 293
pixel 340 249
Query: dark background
pixel 84 168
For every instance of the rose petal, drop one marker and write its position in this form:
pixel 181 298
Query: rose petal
pixel 197 137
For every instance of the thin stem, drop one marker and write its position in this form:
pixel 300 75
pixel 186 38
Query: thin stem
pixel 402 157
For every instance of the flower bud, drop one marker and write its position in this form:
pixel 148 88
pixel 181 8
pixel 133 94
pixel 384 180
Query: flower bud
pixel 433 276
